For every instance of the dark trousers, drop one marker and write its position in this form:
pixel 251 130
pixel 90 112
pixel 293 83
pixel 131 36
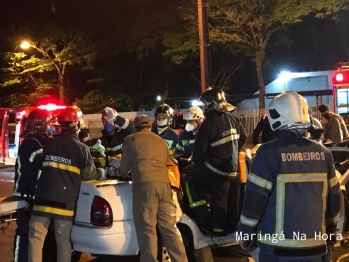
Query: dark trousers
pixel 266 257
pixel 21 239
pixel 198 178
pixel 235 204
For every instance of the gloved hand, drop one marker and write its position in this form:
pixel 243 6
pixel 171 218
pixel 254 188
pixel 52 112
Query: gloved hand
pixel 102 174
pixel 112 114
pixel 248 245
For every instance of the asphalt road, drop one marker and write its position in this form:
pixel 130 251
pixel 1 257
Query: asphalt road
pixel 231 254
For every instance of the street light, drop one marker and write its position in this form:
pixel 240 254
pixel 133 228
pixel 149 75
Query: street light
pixel 158 98
pixel 25 45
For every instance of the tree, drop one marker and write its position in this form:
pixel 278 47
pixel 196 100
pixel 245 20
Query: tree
pixel 56 49
pixel 95 101
pixel 252 23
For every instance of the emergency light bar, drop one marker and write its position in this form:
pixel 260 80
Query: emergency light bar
pixel 51 107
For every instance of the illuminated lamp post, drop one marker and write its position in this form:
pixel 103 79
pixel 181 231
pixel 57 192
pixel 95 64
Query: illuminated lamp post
pixel 60 67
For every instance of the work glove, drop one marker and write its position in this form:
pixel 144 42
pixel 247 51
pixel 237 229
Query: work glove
pixel 102 174
pixel 248 245
pixel 112 114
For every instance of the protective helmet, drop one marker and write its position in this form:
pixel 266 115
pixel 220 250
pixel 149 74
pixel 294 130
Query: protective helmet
pixel 193 113
pixel 39 119
pixel 288 110
pixel 164 109
pixel 105 113
pixel 213 95
pixel 69 116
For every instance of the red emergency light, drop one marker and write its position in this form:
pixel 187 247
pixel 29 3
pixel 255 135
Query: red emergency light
pixel 341 77
pixel 51 107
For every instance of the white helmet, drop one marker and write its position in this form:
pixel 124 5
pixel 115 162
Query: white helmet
pixel 193 113
pixel 288 110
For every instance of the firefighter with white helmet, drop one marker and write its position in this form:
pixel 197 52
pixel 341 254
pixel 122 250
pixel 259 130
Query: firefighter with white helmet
pixel 66 161
pixel 163 117
pixel 116 128
pixel 194 118
pixel 291 191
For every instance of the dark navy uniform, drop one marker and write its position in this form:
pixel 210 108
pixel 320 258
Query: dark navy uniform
pixel 185 146
pixel 27 172
pixel 113 141
pixel 215 159
pixel 170 137
pixel 67 161
pixel 291 194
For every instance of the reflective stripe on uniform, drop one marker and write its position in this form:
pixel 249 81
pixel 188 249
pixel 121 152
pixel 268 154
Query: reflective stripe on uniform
pixel 261 182
pixel 53 210
pixel 225 140
pixel 34 154
pixel 115 148
pixel 127 122
pixel 169 143
pixel 62 166
pixel 179 147
pixel 190 199
pixel 19 166
pixel 248 222
pixel 274 240
pixel 332 182
pixel 217 171
pixel 18 240
pixel 281 181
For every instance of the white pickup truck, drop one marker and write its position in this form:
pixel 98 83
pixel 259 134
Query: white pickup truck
pixel 104 221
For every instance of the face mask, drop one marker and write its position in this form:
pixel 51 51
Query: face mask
pixel 162 123
pixel 51 130
pixel 189 127
pixel 109 128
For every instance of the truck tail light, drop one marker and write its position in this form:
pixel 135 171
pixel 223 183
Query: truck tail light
pixel 101 213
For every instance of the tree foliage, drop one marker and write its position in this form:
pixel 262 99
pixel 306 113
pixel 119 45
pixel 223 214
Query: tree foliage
pixel 54 50
pixel 94 101
pixel 253 22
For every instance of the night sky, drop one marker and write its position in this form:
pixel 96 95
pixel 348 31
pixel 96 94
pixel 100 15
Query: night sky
pixel 315 44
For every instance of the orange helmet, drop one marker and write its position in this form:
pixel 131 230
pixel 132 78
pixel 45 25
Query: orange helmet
pixel 69 116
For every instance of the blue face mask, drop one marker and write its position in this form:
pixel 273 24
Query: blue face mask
pixel 51 130
pixel 109 128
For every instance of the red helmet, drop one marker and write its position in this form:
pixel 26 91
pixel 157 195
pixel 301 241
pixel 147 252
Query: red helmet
pixel 105 114
pixel 69 115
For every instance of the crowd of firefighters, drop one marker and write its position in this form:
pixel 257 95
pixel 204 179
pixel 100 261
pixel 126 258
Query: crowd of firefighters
pixel 51 169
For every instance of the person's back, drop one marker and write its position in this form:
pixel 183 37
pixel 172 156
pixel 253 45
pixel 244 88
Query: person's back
pixel 267 133
pixel 153 208
pixel 310 178
pixel 332 129
pixel 292 193
pixel 148 154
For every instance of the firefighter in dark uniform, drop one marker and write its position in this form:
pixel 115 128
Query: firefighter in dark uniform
pixel 292 193
pixel 186 139
pixel 27 172
pixel 116 128
pixel 163 116
pixel 215 162
pixel 66 161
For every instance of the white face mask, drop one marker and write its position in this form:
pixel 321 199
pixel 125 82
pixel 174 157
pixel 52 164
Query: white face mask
pixel 162 123
pixel 189 127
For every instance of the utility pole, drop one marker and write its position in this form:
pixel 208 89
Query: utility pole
pixel 205 57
